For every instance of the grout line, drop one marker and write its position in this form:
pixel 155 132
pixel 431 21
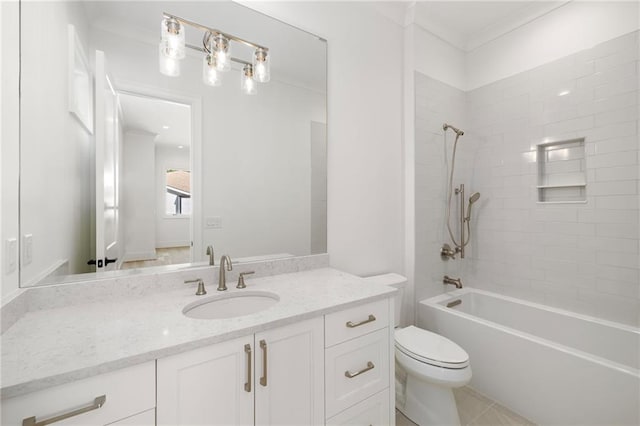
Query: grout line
pixel 482 412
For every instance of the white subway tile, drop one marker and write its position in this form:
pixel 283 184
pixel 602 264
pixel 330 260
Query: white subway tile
pixel 628 143
pixel 615 230
pixel 623 260
pixel 612 159
pixel 616 87
pixel 617 116
pixel 616 173
pixel 626 187
pixel 630 202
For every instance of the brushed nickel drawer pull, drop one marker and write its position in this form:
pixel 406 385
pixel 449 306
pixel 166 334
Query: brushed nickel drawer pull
pixel 98 402
pixel 263 379
pixel 351 375
pixel 247 350
pixel 358 324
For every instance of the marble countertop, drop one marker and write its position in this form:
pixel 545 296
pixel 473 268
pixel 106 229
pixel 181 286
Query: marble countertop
pixel 50 347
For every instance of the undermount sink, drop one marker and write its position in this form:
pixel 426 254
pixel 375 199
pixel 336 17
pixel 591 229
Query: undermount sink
pixel 231 305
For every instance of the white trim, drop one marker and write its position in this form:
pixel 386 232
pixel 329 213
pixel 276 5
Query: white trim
pixel 172 244
pixel 138 256
pixel 52 271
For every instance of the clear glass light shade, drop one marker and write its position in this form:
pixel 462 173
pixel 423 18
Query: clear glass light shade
pixel 172 38
pixel 210 74
pixel 247 83
pixel 221 50
pixel 168 66
pixel 261 65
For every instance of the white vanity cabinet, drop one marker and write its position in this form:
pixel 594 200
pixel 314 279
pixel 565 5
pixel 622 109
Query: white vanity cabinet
pixel 359 365
pixel 129 399
pixel 274 377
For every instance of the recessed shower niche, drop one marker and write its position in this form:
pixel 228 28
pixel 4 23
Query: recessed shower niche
pixel 562 171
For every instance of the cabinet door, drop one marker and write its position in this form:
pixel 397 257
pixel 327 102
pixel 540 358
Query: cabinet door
pixel 146 418
pixel 290 374
pixel 211 385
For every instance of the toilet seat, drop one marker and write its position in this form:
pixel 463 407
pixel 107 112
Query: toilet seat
pixel 430 348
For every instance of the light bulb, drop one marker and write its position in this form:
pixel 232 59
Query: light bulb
pixel 168 66
pixel 247 84
pixel 222 52
pixel 261 65
pixel 172 38
pixel 210 74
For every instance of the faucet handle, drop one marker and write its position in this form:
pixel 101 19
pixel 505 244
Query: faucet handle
pixel 241 283
pixel 201 291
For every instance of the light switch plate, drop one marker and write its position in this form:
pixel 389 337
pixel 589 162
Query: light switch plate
pixel 27 249
pixel 213 222
pixel 11 255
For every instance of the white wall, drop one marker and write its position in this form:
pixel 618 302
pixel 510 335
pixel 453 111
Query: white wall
pixel 55 175
pixel 573 27
pixel 365 179
pixel 170 231
pixel 438 59
pixel 139 195
pixel 9 157
pixel 318 187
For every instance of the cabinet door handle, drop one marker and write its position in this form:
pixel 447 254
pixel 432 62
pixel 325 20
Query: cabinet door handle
pixel 263 379
pixel 98 402
pixel 247 385
pixel 358 324
pixel 351 375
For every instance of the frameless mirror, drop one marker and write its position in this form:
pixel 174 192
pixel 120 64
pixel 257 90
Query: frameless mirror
pixel 123 167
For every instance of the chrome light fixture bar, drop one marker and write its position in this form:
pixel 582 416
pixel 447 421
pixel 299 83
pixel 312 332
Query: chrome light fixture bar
pixel 217 54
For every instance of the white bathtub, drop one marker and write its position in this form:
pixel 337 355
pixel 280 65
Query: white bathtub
pixel 553 367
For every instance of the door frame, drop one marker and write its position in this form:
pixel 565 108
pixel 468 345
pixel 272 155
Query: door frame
pixel 195 154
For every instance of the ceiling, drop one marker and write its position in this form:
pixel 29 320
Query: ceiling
pixel 468 25
pixel 153 115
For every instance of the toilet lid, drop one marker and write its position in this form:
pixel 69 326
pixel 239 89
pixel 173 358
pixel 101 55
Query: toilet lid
pixel 430 348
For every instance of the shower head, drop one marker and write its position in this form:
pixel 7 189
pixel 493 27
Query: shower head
pixel 474 197
pixel 446 126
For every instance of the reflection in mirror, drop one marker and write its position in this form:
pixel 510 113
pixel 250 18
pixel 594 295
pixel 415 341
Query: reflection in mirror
pixel 142 169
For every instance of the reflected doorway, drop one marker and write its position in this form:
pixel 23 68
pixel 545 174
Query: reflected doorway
pixel 157 181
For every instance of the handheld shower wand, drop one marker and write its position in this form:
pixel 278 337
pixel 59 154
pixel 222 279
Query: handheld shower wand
pixel 446 251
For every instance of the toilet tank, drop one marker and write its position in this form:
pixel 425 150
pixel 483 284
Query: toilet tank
pixel 394 280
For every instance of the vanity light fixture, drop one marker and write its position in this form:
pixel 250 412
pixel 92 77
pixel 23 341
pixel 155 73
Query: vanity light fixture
pixel 247 84
pixel 217 54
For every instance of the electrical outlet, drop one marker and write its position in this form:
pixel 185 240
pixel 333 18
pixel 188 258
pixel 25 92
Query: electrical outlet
pixel 213 222
pixel 11 255
pixel 27 249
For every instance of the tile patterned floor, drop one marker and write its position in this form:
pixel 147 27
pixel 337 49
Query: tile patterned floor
pixel 477 410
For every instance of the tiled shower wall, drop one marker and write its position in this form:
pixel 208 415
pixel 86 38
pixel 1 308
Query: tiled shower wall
pixel 435 104
pixel 583 256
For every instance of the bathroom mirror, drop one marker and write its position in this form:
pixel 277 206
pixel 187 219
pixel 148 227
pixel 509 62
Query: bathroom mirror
pixel 181 164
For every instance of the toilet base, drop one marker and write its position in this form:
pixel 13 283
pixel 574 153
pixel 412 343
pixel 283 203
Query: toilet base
pixel 428 404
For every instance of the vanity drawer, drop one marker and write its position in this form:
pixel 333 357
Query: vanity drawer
pixel 366 360
pixel 355 322
pixel 128 391
pixel 373 411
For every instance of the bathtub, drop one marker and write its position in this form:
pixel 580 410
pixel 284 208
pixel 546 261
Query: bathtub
pixel 551 366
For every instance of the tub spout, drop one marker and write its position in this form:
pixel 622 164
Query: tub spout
pixel 453 281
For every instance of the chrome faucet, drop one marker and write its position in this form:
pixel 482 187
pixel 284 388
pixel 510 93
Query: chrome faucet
pixel 453 281
pixel 212 261
pixel 222 278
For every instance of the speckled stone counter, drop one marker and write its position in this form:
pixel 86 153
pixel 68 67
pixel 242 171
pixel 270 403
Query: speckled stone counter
pixel 56 345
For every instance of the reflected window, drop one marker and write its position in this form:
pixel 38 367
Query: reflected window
pixel 178 192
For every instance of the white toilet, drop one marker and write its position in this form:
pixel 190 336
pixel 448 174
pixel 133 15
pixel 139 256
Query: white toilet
pixel 428 367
